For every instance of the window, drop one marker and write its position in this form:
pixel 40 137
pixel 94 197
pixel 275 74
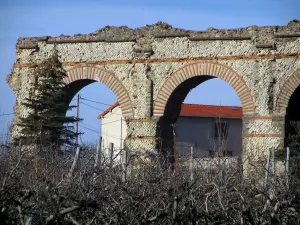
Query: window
pixel 221 129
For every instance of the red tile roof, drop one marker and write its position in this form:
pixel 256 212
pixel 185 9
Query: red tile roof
pixel 199 110
pixel 108 110
pixel 211 111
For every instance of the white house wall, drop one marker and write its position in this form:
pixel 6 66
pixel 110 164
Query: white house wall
pixel 111 129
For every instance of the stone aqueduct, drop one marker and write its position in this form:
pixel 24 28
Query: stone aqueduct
pixel 151 70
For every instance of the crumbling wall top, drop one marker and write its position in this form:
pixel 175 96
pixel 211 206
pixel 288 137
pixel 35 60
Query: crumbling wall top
pixel 164 30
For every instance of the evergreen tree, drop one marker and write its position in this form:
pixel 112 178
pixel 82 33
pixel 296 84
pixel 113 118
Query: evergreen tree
pixel 47 123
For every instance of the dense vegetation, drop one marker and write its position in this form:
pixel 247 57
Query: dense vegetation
pixel 54 187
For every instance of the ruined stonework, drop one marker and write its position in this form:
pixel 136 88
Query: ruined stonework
pixel 151 70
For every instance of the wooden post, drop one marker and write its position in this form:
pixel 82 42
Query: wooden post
pixel 192 163
pixel 287 165
pixel 110 154
pixel 273 165
pixel 175 150
pixel 273 175
pixel 76 157
pixel 124 165
pixel 267 168
pixel 222 176
pixel 121 139
pixel 77 117
pixel 97 158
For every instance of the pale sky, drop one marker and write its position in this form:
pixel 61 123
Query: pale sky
pixel 30 18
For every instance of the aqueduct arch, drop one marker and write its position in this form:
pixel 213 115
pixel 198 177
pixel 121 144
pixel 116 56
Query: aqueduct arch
pixel 136 65
pixel 286 92
pixel 93 74
pixel 288 104
pixel 174 90
pixel 204 69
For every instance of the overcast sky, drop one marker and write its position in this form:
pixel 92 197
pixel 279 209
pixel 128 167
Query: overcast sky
pixel 29 18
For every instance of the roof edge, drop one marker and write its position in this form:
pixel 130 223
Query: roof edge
pixel 108 110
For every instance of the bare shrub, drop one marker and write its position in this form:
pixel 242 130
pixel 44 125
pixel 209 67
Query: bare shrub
pixel 37 189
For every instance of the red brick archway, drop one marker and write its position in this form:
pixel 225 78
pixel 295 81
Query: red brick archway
pixel 105 77
pixel 209 69
pixel 286 92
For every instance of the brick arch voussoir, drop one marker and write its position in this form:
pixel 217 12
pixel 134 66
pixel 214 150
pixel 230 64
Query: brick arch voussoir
pixel 105 77
pixel 286 92
pixel 217 70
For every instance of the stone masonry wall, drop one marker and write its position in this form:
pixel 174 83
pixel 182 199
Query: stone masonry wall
pixel 143 66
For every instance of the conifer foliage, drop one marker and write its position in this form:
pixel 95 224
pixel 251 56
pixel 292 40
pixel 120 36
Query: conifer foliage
pixel 47 123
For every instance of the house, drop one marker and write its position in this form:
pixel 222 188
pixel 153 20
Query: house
pixel 113 127
pixel 209 129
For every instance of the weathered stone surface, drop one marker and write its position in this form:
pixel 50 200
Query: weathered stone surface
pixel 260 63
pixel 142 128
pixel 264 126
pixel 142 144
